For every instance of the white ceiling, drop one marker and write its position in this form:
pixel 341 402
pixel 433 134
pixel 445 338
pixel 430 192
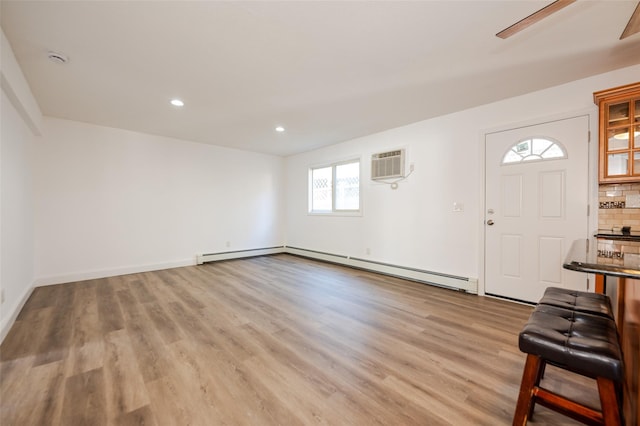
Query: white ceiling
pixel 327 71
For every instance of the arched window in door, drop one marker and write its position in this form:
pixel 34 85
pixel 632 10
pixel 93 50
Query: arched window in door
pixel 534 149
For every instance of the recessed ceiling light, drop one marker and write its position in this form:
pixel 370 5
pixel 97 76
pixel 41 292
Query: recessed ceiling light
pixel 177 102
pixel 279 129
pixel 58 58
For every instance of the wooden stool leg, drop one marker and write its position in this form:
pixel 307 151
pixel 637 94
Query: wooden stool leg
pixel 531 375
pixel 609 402
pixel 540 376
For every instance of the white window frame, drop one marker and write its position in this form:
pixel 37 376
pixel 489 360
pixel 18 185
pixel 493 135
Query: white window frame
pixel 334 211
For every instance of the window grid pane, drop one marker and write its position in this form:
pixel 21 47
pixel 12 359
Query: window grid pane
pixel 321 183
pixel 540 146
pixel 348 186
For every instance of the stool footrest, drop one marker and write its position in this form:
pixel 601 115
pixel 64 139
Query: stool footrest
pixel 567 407
pixel 531 394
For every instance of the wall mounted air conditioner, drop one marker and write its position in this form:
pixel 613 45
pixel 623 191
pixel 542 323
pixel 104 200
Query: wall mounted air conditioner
pixel 386 165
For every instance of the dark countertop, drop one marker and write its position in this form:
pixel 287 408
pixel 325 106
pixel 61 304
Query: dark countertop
pixel 609 234
pixel 583 257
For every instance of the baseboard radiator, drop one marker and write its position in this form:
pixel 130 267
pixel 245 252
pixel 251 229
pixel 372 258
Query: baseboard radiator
pixel 469 285
pixel 238 254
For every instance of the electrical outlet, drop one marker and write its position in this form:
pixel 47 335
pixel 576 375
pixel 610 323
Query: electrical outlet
pixel 367 250
pixel 228 243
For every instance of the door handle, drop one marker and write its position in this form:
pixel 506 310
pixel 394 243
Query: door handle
pixel 490 222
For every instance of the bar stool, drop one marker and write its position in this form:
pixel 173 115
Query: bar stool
pixel 582 343
pixel 581 301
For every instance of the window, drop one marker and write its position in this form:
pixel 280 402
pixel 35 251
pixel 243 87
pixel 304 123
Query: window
pixel 335 188
pixel 534 149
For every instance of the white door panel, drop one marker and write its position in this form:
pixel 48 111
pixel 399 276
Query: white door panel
pixel 535 209
pixel 512 195
pixel 552 194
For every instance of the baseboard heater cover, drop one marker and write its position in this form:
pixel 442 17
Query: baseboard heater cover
pixel 469 285
pixel 238 254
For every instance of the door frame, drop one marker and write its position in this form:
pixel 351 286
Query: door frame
pixel 592 173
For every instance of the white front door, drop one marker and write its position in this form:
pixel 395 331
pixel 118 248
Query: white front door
pixel 536 206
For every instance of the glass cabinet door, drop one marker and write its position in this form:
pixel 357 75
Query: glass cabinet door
pixel 621 144
pixel 619 133
pixel 618 164
pixel 618 114
pixel 618 139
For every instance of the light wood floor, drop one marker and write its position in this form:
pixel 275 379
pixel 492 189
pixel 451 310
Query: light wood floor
pixel 262 341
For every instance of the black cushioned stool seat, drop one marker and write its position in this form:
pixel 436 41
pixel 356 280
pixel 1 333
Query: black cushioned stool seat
pixel 581 301
pixel 582 343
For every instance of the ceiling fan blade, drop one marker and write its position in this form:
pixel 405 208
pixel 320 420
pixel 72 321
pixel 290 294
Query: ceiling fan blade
pixel 633 26
pixel 534 17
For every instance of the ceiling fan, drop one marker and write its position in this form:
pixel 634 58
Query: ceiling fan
pixel 633 26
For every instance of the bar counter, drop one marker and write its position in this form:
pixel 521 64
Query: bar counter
pixel 617 275
pixel 584 257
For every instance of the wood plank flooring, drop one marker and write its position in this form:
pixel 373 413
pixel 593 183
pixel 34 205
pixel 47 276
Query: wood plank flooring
pixel 277 340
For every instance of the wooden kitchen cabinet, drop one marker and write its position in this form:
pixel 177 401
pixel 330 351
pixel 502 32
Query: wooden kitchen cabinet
pixel 619 133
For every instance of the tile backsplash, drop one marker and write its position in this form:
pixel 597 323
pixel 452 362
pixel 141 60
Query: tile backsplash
pixel 614 206
pixel 617 252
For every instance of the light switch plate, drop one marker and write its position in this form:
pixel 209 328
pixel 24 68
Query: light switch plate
pixel 458 207
pixel 632 201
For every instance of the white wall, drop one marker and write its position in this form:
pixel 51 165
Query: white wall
pixel 16 88
pixel 20 119
pixel 415 225
pixel 16 214
pixel 110 201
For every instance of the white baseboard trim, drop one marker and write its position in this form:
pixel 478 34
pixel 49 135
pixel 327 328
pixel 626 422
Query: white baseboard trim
pixel 7 322
pixel 469 285
pixel 104 273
